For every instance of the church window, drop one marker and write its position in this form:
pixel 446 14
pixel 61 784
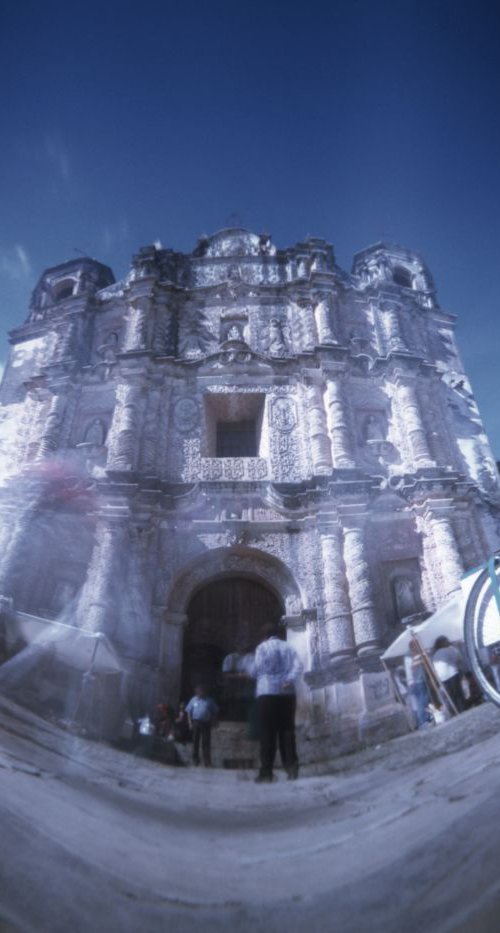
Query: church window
pixel 233 424
pixel 64 290
pixel 236 439
pixel 401 276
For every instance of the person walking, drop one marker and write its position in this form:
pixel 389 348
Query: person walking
pixel 202 712
pixel 276 668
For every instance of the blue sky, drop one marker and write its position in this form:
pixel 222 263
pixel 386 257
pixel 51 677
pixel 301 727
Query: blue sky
pixel 123 123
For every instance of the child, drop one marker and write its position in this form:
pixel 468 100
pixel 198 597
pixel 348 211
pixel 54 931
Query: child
pixel 202 712
pixel 181 731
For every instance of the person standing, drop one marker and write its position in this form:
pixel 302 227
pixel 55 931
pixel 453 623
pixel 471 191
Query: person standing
pixel 202 712
pixel 276 668
pixel 417 683
pixel 449 665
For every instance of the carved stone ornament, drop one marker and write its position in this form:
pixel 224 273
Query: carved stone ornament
pixel 186 415
pixel 283 414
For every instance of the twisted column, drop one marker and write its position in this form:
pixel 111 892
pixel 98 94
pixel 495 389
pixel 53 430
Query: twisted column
pixel 136 333
pixel 323 317
pixel 104 578
pixel 338 619
pixel 124 432
pixel 342 451
pixel 393 329
pixel 49 438
pixel 411 415
pixel 13 556
pixel 446 550
pixel 366 628
pixel 66 342
pixel 318 432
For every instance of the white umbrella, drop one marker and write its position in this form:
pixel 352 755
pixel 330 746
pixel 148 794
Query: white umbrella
pixel 448 620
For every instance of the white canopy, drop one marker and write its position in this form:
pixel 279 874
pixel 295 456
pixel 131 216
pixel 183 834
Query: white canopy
pixel 448 620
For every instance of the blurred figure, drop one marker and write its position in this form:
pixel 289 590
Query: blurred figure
pixel 181 731
pixel 417 683
pixel 163 720
pixel 276 668
pixel 449 665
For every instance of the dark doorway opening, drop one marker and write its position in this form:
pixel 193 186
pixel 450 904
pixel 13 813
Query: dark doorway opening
pixel 224 617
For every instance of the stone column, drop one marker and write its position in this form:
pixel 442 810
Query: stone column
pixel 149 442
pixel 66 342
pixel 411 417
pixel 342 452
pixel 338 619
pixel 323 316
pixel 446 550
pixel 136 333
pixel 164 328
pixel 14 552
pixel 309 336
pixel 365 623
pixel 321 454
pixel 125 429
pixel 392 328
pixel 49 439
pixel 171 651
pixel 99 610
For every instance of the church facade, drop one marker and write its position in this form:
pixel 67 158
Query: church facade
pixel 264 435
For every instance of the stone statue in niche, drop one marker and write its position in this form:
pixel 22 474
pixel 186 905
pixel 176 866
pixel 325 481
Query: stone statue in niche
pixel 358 339
pixel 186 415
pixel 108 356
pixel 283 414
pixel 405 597
pixel 373 429
pixel 277 341
pixel 95 433
pixel 197 337
pixel 234 333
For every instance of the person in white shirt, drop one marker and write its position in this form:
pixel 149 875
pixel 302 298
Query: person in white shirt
pixel 276 668
pixel 449 666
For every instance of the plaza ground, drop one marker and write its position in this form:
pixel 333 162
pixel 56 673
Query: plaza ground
pixel 400 838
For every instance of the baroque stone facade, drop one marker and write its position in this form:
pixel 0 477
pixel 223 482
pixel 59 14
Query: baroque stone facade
pixel 363 488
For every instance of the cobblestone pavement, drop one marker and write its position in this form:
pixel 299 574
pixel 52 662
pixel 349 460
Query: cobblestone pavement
pixel 400 838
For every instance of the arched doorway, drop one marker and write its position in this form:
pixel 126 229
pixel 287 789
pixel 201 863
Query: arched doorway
pixel 224 616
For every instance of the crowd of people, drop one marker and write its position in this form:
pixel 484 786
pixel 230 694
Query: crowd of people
pixel 272 673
